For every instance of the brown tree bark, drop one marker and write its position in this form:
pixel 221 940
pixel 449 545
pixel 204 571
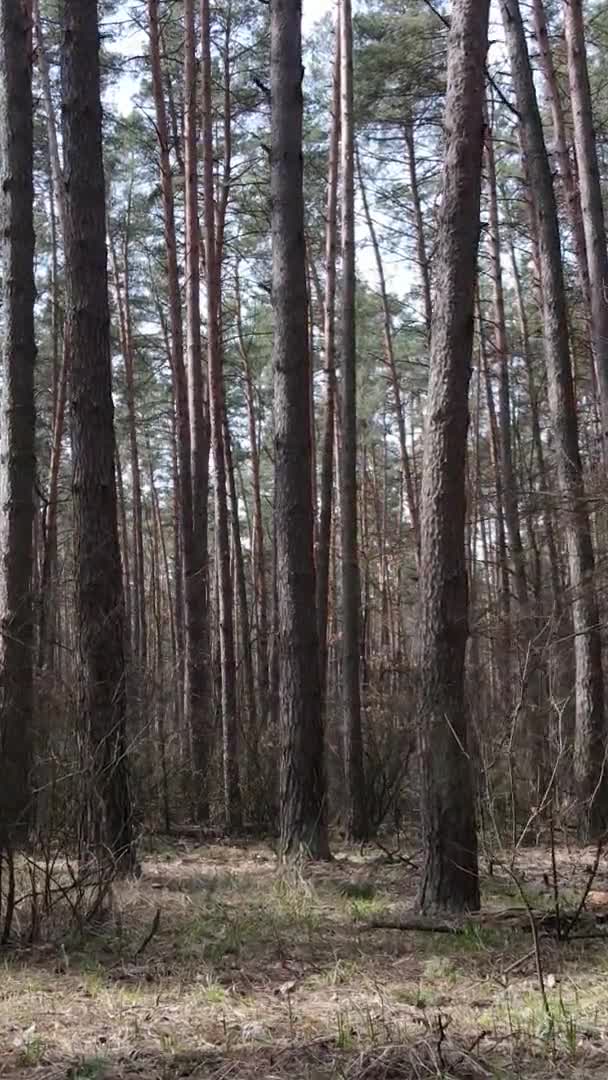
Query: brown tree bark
pixel 589 688
pixel 303 787
pixel 554 569
pixel 501 353
pixel 252 732
pixel 356 824
pixel 123 305
pixel 47 592
pixel 197 410
pixel 99 595
pixel 392 366
pixel 504 584
pixel 259 557
pixel 571 191
pixel 421 252
pixel 123 533
pixel 450 879
pixel 329 344
pixel 232 788
pixel 589 184
pixel 196 713
pixel 17 436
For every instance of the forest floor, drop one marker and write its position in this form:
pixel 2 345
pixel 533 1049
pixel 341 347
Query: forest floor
pixel 250 974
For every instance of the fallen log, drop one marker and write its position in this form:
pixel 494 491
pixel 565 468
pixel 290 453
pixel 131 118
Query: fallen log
pixel 510 919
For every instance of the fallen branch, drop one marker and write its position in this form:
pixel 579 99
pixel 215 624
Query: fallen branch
pixel 534 925
pixel 510 919
pixel 572 922
pixel 152 931
pixel 396 856
pixel 415 923
pixel 517 963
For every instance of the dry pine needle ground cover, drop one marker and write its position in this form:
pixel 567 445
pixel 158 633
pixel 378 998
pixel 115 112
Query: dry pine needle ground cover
pixel 253 974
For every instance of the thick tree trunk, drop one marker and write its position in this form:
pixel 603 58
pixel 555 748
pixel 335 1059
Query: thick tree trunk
pixel 356 824
pixel 303 788
pixel 592 787
pixel 17 437
pixel 450 879
pixel 99 595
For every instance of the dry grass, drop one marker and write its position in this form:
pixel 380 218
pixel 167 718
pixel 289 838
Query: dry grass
pixel 256 974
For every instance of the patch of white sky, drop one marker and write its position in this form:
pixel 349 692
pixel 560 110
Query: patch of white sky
pixel 131 42
pixel 400 273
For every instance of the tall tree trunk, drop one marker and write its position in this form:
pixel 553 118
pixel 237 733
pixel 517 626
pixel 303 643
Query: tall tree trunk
pixel 196 712
pixel 17 437
pixel 450 877
pixel 501 352
pixel 123 533
pixel 259 559
pixel 199 435
pixel 99 594
pixel 252 733
pixel 356 824
pixel 537 441
pixel 571 191
pixel 392 365
pixel 589 688
pixel 139 576
pixel 60 381
pixel 504 589
pixel 232 788
pixel 589 184
pixel 303 786
pixel 421 252
pixel 126 340
pixel 329 344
